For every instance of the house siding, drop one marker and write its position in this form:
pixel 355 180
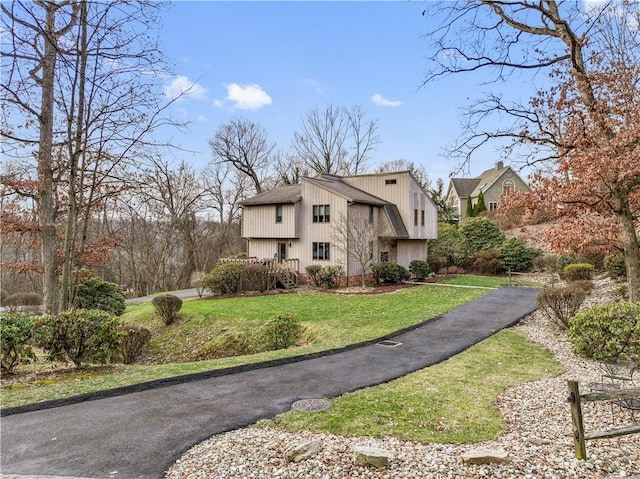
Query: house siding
pixel 260 222
pixel 407 195
pixel 311 232
pixel 409 250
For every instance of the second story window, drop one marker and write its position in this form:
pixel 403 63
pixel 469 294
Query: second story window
pixel 421 217
pixel 508 187
pixel 278 213
pixel 321 213
pixel 415 217
pixel 371 214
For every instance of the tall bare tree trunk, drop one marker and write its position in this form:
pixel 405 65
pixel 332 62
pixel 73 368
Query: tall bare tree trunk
pixel 75 150
pixel 46 197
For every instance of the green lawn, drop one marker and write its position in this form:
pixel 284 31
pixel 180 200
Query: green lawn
pixel 333 320
pixel 488 281
pixel 452 402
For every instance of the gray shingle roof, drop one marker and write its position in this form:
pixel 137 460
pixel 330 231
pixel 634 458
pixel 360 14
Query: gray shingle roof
pixel 335 184
pixel 399 229
pixel 278 195
pixel 464 186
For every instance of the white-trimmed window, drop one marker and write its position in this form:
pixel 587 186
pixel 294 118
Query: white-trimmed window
pixel 508 187
pixel 321 250
pixel 278 213
pixel 493 205
pixel 321 213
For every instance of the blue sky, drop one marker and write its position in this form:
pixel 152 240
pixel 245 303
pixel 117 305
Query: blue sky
pixel 271 62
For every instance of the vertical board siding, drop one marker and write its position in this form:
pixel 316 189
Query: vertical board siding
pixel 260 222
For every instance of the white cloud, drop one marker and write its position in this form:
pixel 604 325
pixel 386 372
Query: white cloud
pixel 379 100
pixel 181 86
pixel 247 97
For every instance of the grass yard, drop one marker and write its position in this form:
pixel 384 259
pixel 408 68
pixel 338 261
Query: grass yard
pixel 452 402
pixel 488 281
pixel 333 320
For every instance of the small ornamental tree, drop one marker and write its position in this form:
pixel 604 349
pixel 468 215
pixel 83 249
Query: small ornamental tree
pixel 480 206
pixel 470 210
pixel 516 256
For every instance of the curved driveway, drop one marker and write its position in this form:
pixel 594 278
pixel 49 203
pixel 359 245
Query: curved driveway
pixel 141 434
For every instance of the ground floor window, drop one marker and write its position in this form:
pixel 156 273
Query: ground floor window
pixel 493 206
pixel 321 251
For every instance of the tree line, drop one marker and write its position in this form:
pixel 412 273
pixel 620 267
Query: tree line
pixel 84 182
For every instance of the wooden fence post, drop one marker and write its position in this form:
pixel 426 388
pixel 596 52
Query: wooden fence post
pixel 576 418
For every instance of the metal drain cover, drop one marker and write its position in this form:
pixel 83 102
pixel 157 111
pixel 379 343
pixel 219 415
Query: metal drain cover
pixel 311 405
pixel 389 344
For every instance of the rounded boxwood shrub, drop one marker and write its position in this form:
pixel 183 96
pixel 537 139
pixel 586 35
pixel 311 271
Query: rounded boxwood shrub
pixel 167 307
pixel 133 342
pixel 577 272
pixel 227 344
pixel 329 276
pixel 16 330
pixel 607 331
pixel 95 293
pixel 419 269
pixel 225 278
pixel 79 335
pixel 516 256
pixel 480 233
pixel 280 332
pixel 389 273
pixel 313 271
pixel 486 262
pixel 560 304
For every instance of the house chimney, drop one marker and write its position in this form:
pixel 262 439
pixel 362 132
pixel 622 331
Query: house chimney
pixel 499 165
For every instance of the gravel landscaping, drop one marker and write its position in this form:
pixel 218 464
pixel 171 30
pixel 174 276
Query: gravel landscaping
pixel 538 440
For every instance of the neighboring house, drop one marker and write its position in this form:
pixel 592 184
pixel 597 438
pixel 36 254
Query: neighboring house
pixel 306 222
pixel 494 183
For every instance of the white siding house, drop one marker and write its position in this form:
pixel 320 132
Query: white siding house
pixel 308 222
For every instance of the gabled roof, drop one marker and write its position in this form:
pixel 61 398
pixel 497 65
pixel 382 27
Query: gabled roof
pixel 279 195
pixel 335 184
pixel 488 178
pixel 464 186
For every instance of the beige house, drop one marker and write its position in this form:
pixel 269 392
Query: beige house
pixel 494 183
pixel 307 223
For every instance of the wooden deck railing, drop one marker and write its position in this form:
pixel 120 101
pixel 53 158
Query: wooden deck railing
pixel 274 265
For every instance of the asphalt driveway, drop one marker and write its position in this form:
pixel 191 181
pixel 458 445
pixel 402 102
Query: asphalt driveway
pixel 141 434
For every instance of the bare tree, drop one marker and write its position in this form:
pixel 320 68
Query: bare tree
pixel 335 140
pixel 290 168
pixel 357 235
pixel 79 89
pixel 176 196
pixel 581 129
pixel 244 145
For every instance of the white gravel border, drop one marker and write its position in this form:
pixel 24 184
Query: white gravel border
pixel 538 439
